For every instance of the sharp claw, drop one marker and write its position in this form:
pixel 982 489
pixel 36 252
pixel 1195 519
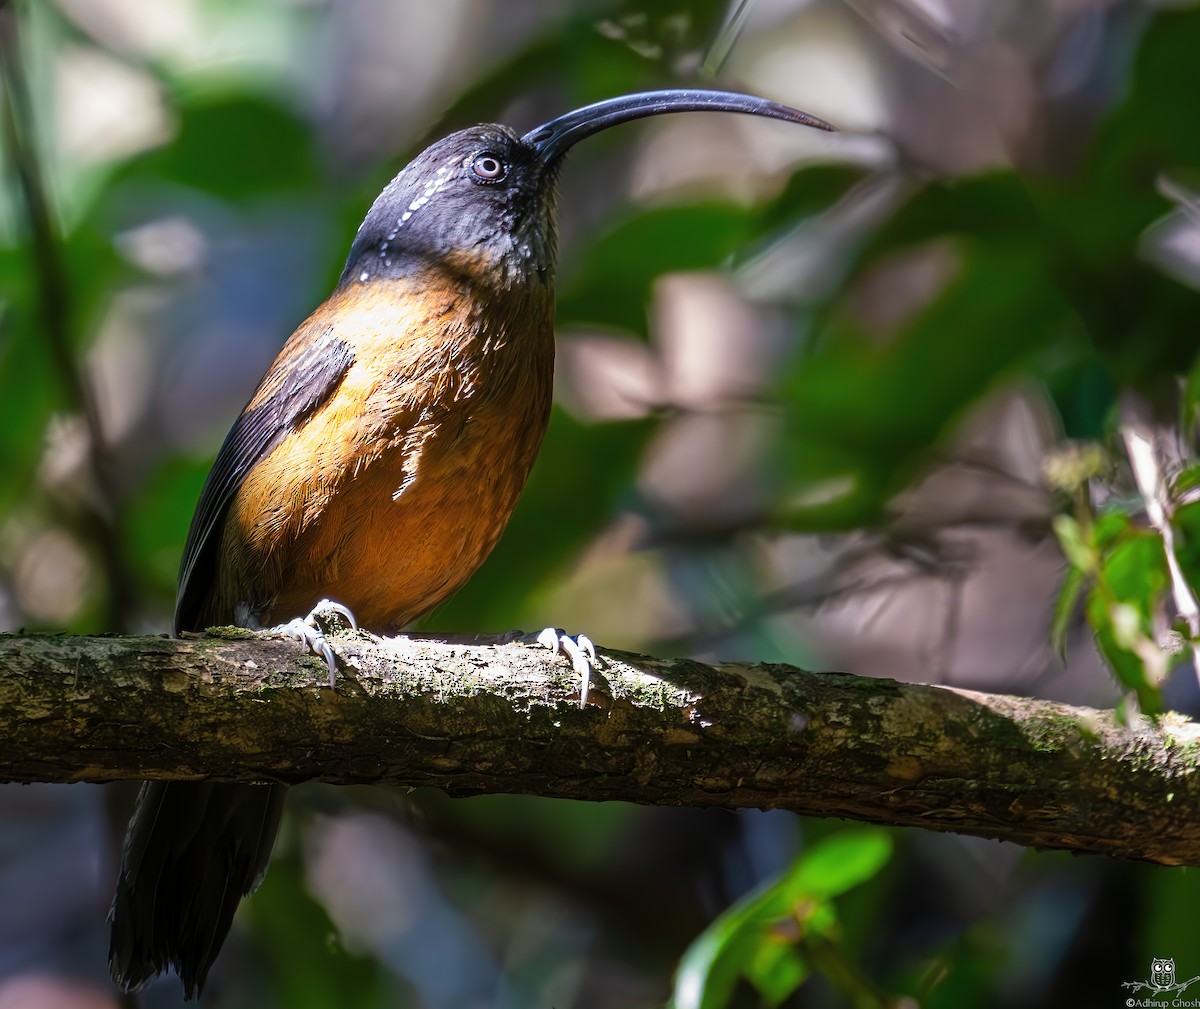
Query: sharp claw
pixel 309 632
pixel 584 642
pixel 331 661
pixel 329 606
pixel 579 650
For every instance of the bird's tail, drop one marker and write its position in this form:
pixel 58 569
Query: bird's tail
pixel 193 850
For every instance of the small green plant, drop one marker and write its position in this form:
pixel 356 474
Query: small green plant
pixel 775 937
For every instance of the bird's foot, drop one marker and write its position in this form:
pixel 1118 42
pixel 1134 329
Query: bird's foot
pixel 580 651
pixel 308 630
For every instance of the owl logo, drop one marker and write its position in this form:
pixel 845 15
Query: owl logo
pixel 1161 979
pixel 1162 973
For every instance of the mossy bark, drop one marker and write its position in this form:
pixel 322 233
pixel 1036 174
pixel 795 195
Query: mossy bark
pixel 481 716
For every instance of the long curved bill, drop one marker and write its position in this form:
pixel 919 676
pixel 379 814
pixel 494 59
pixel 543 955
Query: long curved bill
pixel 553 139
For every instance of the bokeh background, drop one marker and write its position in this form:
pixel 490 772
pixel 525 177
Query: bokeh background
pixel 807 388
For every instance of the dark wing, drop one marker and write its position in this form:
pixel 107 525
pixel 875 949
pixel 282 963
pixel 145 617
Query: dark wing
pixel 307 372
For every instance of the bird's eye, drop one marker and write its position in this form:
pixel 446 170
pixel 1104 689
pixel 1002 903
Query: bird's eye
pixel 488 167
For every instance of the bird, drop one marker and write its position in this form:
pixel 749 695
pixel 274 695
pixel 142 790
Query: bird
pixel 377 463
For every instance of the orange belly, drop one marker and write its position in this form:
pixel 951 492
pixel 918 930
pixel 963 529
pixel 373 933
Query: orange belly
pixel 392 556
pixel 389 526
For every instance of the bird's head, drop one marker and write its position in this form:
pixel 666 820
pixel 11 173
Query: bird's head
pixel 482 199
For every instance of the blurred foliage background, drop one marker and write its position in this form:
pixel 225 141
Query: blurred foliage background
pixel 844 402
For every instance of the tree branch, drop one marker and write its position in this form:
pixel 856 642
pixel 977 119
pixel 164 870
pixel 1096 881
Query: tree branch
pixel 481 716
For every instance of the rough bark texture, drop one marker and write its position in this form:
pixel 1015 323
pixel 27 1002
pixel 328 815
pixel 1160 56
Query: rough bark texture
pixel 486 717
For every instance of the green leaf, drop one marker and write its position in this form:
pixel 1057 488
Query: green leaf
pixel 712 964
pixel 1065 605
pixel 1132 581
pixel 1109 527
pixel 1189 406
pixel 1186 522
pixel 838 863
pixel 1135 570
pixel 1186 480
pixel 1071 538
pixel 1114 643
pixel 776 970
pixel 745 940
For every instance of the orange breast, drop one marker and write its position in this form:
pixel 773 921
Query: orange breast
pixel 393 494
